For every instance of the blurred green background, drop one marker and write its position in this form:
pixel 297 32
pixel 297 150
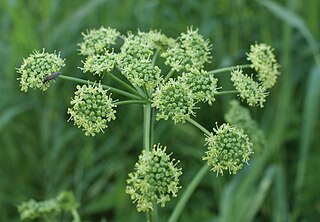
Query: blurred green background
pixel 42 154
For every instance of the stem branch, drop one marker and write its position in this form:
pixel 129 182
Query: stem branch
pixel 227 69
pixel 118 91
pixel 227 92
pixel 198 125
pixel 123 102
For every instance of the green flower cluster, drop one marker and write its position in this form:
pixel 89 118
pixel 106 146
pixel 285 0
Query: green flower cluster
pixel 97 47
pixel 228 149
pixel 48 208
pixel 191 51
pixel 96 41
pixel 158 40
pixel 91 109
pixel 251 91
pixel 175 100
pixel 264 62
pixel 155 179
pixel 36 67
pixel 240 117
pixel 99 63
pixel 135 63
pixel 202 84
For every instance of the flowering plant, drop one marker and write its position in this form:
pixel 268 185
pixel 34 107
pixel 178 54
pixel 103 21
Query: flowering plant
pixel 168 77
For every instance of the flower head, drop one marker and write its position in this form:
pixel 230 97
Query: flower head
pixel 36 67
pixel 158 39
pixel 135 63
pixel 228 149
pixel 249 90
pixel 137 46
pixel 91 109
pixel 96 41
pixel 202 84
pixel 190 52
pixel 174 100
pixel 240 117
pixel 264 62
pixel 141 72
pixel 155 179
pixel 100 63
pixel 35 209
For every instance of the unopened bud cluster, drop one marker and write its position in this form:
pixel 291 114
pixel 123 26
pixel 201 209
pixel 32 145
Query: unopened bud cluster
pixel 36 67
pixel 32 209
pixel 228 149
pixel 263 61
pixel 92 108
pixel 175 100
pixel 191 51
pixel 154 180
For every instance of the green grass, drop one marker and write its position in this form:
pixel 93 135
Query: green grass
pixel 41 153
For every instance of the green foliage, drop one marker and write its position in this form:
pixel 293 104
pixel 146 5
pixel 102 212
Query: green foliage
pixel 42 155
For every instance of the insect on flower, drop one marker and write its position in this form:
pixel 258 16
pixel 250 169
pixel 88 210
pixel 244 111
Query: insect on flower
pixel 50 77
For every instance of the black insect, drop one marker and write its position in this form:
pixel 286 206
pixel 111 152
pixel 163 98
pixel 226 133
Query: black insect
pixel 50 77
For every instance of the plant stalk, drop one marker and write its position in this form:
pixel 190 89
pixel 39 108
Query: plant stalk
pixel 188 192
pixel 152 215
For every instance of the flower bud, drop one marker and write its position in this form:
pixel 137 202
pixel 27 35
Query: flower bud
pixel 91 109
pixel 249 90
pixel 155 179
pixel 264 62
pixel 36 67
pixel 174 100
pixel 228 149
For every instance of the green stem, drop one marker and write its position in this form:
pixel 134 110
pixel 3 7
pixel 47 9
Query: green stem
pixel 118 91
pixel 168 75
pixel 188 192
pixel 146 126
pixel 124 84
pixel 227 92
pixel 152 126
pixel 130 102
pixel 136 87
pixel 155 57
pixel 152 215
pixel 227 69
pixel 198 125
pixel 75 215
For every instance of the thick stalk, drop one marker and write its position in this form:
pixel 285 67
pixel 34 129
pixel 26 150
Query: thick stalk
pixel 187 193
pixel 118 91
pixel 147 125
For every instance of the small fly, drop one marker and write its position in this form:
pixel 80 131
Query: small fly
pixel 50 77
